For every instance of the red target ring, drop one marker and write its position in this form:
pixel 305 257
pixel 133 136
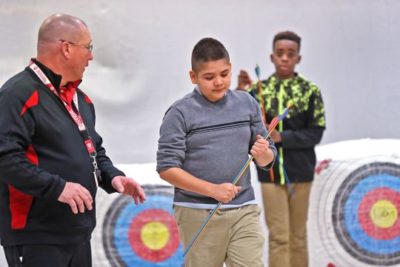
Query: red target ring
pixel 154 228
pixel 380 221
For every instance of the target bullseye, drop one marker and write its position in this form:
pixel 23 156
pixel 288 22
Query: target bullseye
pixel 154 235
pixel 378 213
pixel 384 214
pixel 143 235
pixel 149 235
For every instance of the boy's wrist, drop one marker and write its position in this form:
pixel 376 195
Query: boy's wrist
pixel 265 161
pixel 209 190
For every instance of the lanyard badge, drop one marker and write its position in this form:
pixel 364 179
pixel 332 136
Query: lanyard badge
pixel 96 170
pixel 92 153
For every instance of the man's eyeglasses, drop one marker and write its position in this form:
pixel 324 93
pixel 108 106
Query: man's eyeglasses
pixel 88 47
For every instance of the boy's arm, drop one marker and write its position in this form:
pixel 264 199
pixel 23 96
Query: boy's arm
pixel 311 135
pixel 263 150
pixel 182 179
pixel 304 138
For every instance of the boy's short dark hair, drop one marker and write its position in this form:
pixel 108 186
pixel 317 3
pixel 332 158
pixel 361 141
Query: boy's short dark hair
pixel 208 49
pixel 287 35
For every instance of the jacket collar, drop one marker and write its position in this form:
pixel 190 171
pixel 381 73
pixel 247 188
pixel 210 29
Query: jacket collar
pixel 54 78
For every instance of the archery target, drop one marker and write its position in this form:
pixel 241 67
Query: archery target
pixel 364 213
pixel 143 235
pixel 355 212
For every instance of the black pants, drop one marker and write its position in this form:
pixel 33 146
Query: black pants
pixel 49 255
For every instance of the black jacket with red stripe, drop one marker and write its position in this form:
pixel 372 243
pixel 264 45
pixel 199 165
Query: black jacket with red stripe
pixel 40 150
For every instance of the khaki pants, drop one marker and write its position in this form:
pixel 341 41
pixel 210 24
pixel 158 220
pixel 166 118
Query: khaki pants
pixel 233 236
pixel 286 218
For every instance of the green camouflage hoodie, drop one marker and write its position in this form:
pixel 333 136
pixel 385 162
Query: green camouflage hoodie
pixel 301 130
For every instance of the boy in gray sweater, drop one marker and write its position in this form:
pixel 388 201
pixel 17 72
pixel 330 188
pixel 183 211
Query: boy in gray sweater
pixel 205 139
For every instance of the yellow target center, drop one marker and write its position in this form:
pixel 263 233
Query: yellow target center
pixel 154 235
pixel 383 213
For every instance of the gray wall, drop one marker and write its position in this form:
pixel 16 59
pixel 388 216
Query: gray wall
pixel 142 57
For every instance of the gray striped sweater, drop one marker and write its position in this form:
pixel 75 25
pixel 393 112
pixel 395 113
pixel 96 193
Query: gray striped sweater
pixel 212 141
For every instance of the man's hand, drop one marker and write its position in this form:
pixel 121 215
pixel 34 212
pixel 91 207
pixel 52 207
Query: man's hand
pixel 77 197
pixel 128 186
pixel 244 80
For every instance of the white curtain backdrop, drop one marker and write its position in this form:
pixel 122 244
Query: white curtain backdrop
pixel 142 57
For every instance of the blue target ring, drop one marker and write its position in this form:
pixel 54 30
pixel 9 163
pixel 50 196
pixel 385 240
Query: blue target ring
pixel 351 220
pixel 124 215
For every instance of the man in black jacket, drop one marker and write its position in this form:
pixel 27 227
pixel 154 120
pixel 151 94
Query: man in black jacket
pixel 51 157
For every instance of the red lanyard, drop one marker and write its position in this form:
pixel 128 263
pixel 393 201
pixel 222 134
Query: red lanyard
pixel 76 117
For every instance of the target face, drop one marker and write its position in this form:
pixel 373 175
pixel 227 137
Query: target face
pixel 355 213
pixel 142 235
pixel 365 214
